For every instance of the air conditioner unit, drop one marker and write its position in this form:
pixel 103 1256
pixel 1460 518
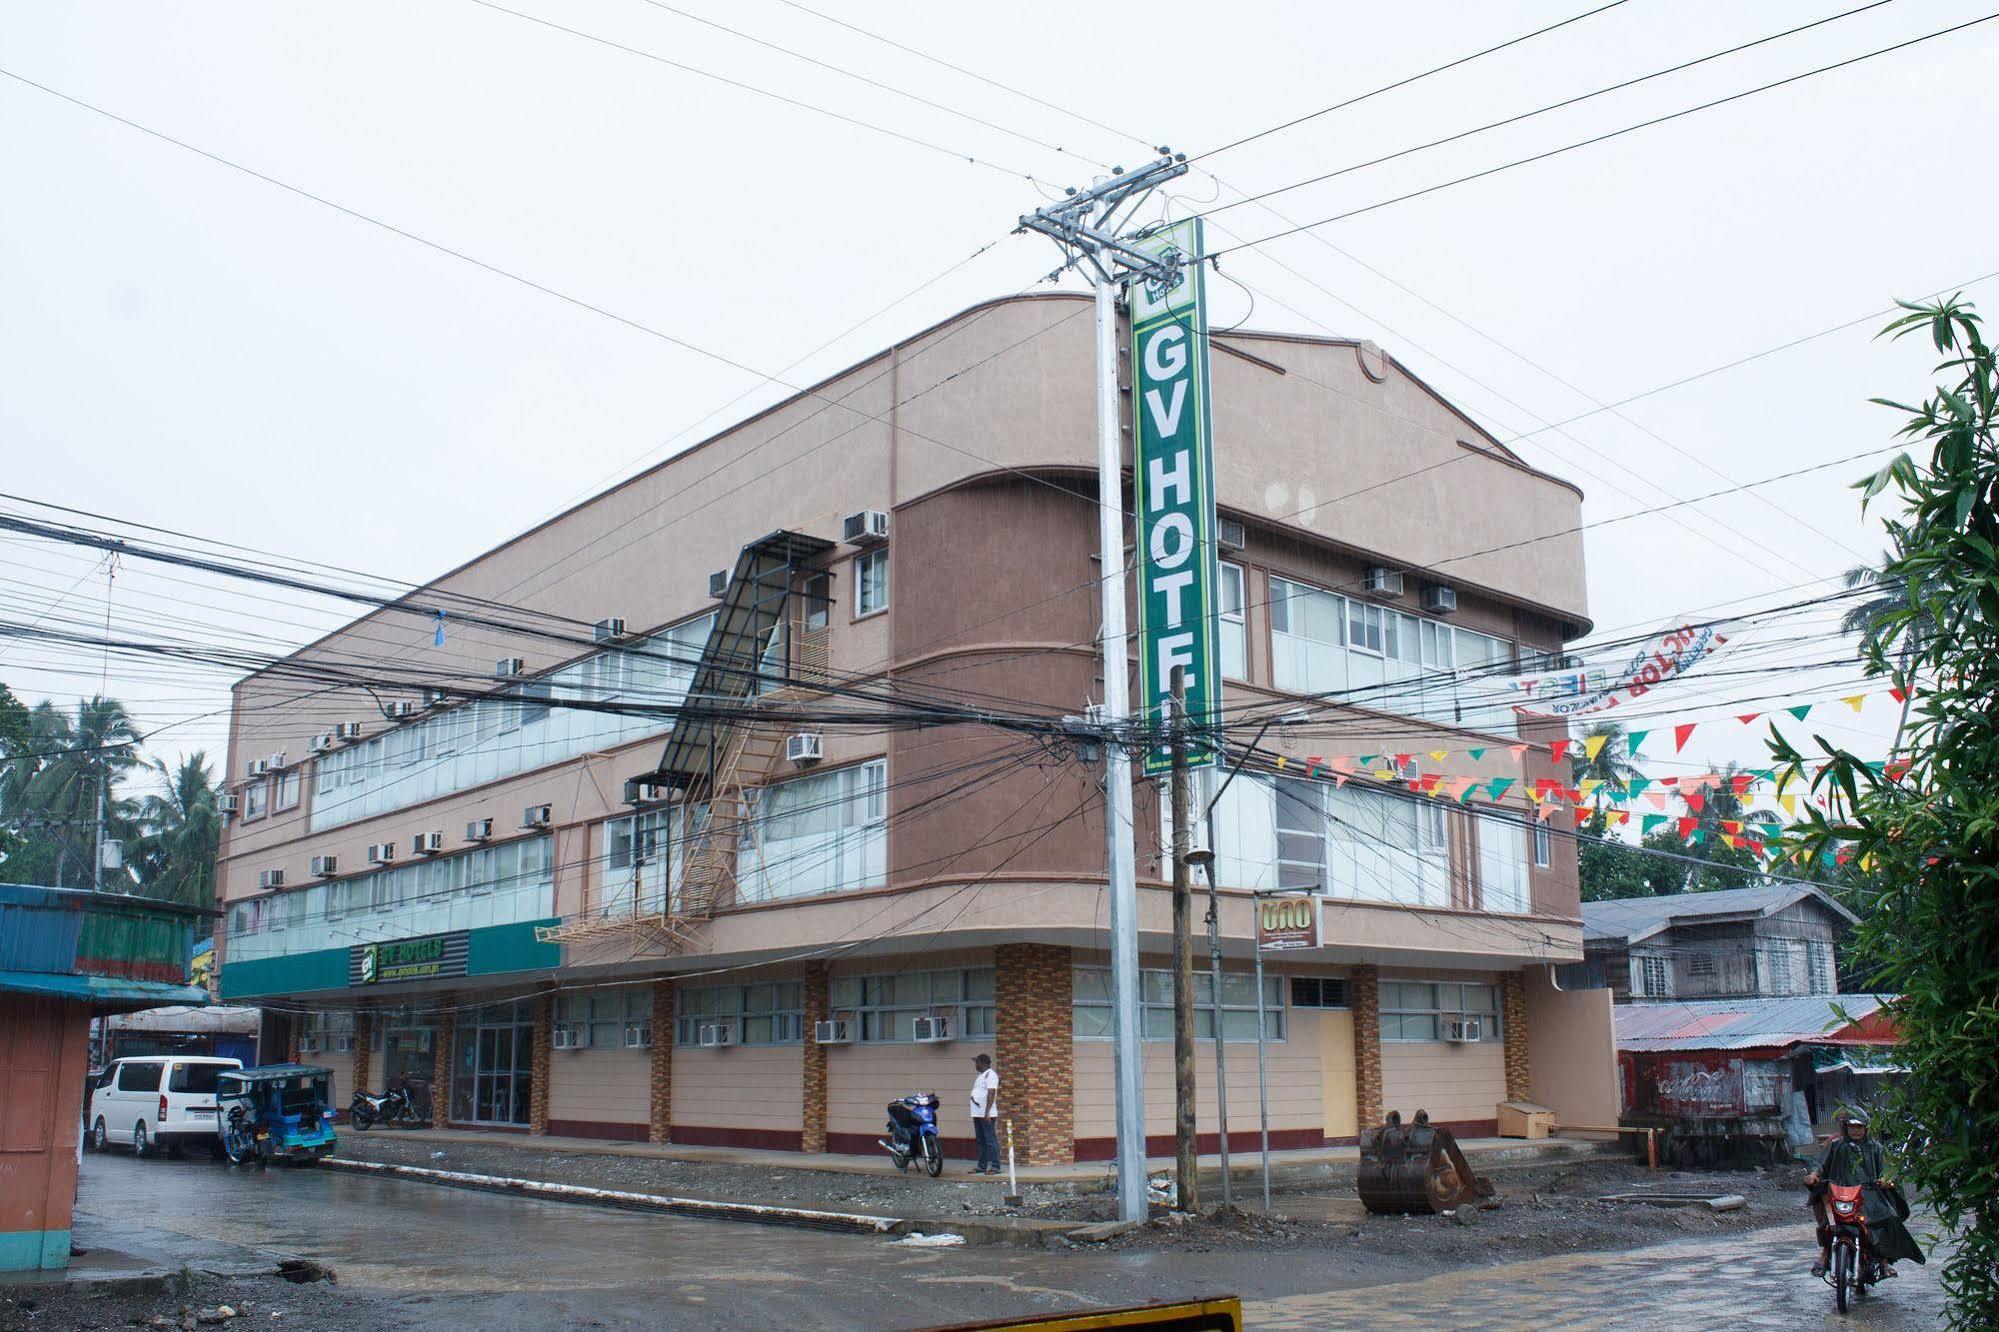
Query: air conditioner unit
pixel 1462 1031
pixel 567 1036
pixel 1440 600
pixel 276 762
pixel 321 743
pixel 478 830
pixel 308 1045
pixel 349 731
pixel 325 867
pixel 227 804
pixel 931 1030
pixel 639 791
pixel 508 667
pixel 638 1035
pixel 381 853
pixel 343 1043
pixel 718 584
pixel 537 816
pixel 435 698
pixel 257 767
pixel 608 630
pixel 271 878
pixel 1383 583
pixel 865 528
pixel 1230 534
pixel 805 747
pixel 401 707
pixel 427 844
pixel 837 1031
pixel 715 1035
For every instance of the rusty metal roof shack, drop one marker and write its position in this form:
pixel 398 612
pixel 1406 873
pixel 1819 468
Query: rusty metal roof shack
pixel 1774 1025
pixel 116 953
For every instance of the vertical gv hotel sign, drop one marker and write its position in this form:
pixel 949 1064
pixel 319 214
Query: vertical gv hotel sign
pixel 1173 487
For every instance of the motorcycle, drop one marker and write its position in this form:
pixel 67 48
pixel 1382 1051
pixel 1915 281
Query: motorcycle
pixel 1854 1266
pixel 912 1126
pixel 392 1107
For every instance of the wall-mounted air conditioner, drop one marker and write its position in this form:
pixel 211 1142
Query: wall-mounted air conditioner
pixel 271 878
pixel 344 1043
pixel 349 731
pixel 537 816
pixel 1230 534
pixel 931 1030
pixel 638 1035
pixel 381 853
pixel 805 747
pixel 608 630
pixel 865 528
pixel 718 584
pixel 568 1036
pixel 256 767
pixel 427 844
pixel 1383 583
pixel 227 804
pixel 321 743
pixel 478 830
pixel 325 867
pixel 639 791
pixel 715 1035
pixel 835 1031
pixel 275 762
pixel 401 708
pixel 1462 1031
pixel 308 1045
pixel 509 667
pixel 435 698
pixel 1440 600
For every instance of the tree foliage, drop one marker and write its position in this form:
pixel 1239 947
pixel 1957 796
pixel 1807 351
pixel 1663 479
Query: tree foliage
pixel 1928 834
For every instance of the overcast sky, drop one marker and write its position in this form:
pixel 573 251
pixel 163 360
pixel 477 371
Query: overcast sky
pixel 183 344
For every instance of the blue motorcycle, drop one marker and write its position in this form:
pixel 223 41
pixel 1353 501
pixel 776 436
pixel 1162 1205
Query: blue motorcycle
pixel 912 1127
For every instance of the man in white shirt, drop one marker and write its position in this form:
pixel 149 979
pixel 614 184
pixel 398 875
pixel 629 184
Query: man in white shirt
pixel 985 1115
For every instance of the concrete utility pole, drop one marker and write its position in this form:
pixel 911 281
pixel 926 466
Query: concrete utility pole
pixel 1186 1159
pixel 1085 227
pixel 1221 1036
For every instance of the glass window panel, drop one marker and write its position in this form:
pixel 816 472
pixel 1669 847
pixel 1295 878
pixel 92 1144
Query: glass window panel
pixel 979 983
pixel 1091 1024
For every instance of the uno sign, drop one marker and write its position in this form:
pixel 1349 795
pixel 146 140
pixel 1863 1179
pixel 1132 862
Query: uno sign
pixel 1173 471
pixel 1286 922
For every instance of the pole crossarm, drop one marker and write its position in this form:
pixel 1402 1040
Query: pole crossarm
pixel 1085 225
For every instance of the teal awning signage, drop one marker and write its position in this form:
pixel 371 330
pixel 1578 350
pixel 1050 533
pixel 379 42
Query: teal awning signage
pixel 430 957
pixel 1173 487
pixel 490 950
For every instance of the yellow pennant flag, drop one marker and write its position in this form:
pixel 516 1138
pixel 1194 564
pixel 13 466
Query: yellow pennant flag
pixel 1855 701
pixel 1729 838
pixel 1593 745
pixel 1790 804
pixel 1588 785
pixel 1440 754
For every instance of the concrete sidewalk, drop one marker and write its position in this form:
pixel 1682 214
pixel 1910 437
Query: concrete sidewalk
pixel 1292 1168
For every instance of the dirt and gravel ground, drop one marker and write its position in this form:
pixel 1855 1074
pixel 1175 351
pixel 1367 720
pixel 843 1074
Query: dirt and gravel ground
pixel 189 1301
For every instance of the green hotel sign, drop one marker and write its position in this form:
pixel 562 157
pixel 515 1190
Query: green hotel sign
pixel 428 957
pixel 1173 484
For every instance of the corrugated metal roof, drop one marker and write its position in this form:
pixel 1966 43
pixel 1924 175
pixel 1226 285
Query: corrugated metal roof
pixel 1740 1024
pixel 1635 918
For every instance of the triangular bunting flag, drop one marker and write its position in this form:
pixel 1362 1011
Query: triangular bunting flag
pixel 1651 823
pixel 1681 734
pixel 1440 754
pixel 1658 799
pixel 1740 783
pixel 1731 825
pixel 1633 739
pixel 1499 786
pixel 1557 748
pixel 1280 762
pixel 1339 780
pixel 1476 754
pixel 1688 827
pixel 1518 751
pixel 1582 816
pixel 1697 836
pixel 1695 800
pixel 1802 711
pixel 1593 745
pixel 1748 718
pixel 1854 701
pixel 1589 785
pixel 1729 840
pixel 1790 804
pixel 1899 694
pixel 1401 760
pixel 1895 770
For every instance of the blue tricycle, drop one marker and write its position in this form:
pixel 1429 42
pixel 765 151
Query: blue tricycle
pixel 275 1113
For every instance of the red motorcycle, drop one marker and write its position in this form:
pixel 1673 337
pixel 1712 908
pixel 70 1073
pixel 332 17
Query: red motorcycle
pixel 1853 1265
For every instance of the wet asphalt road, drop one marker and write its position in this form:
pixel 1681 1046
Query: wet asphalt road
pixel 434 1257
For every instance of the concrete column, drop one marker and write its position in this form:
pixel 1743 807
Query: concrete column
pixel 291 1046
pixel 662 1062
pixel 817 1001
pixel 364 1032
pixel 440 1066
pixel 541 1064
pixel 1034 1047
pixel 1513 1026
pixel 1366 999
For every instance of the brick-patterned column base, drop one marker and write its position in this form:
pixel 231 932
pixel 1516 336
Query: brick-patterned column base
pixel 1034 1046
pixel 540 1064
pixel 817 998
pixel 1366 1001
pixel 364 1033
pixel 1513 1026
pixel 662 1062
pixel 440 1067
pixel 291 1050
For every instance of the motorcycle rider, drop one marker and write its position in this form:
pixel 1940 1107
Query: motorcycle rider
pixel 1856 1159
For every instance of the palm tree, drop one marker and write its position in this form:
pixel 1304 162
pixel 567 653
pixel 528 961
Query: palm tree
pixel 1733 867
pixel 53 800
pixel 179 833
pixel 1612 765
pixel 1889 623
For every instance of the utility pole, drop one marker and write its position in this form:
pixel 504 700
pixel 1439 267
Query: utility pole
pixel 1185 1158
pixel 1221 1037
pixel 1085 226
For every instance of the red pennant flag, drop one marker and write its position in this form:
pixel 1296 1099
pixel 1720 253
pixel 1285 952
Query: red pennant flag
pixel 1401 760
pixel 1731 825
pixel 1896 770
pixel 1695 801
pixel 1582 815
pixel 1669 781
pixel 1681 734
pixel 1741 782
pixel 1687 826
pixel 1748 718
pixel 1557 748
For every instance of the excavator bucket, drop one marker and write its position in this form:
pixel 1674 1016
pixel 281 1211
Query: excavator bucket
pixel 1415 1169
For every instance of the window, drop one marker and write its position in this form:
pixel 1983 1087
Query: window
pixel 1318 992
pixel 1818 959
pixel 602 1015
pixel 817 594
pixel 141 1075
pixel 1779 979
pixel 535 696
pixel 887 1006
pixel 1654 977
pixel 1307 638
pixel 1423 1010
pixel 1234 634
pixel 635 863
pixel 769 1014
pixel 1502 863
pixel 197 1078
pixel 1543 846
pixel 1700 964
pixel 255 799
pixel 820 834
pixel 1301 835
pixel 1290 833
pixel 290 784
pixel 870 582
pixel 1091 1014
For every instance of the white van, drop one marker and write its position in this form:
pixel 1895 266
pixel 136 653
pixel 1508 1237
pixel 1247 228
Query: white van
pixel 157 1101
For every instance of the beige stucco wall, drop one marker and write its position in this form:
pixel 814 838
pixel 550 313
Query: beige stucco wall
pixel 600 1086
pixel 1571 1050
pixel 1338 1091
pixel 1452 1082
pixel 744 1087
pixel 862 1079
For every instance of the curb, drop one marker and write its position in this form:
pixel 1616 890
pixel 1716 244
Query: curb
pixel 707 1208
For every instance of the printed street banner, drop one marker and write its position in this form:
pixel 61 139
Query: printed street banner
pixel 1668 656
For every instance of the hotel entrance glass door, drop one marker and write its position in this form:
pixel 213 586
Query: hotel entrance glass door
pixel 492 1062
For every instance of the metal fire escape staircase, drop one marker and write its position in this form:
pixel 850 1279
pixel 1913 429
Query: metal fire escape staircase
pixel 762 649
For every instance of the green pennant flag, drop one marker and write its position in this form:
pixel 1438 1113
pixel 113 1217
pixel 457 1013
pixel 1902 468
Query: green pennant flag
pixel 1476 754
pixel 1651 823
pixel 1633 739
pixel 1465 798
pixel 1764 774
pixel 1369 760
pixel 1696 837
pixel 1876 766
pixel 1499 787
pixel 1802 711
pixel 1636 786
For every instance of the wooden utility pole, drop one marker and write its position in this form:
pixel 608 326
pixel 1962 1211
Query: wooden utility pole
pixel 1186 1161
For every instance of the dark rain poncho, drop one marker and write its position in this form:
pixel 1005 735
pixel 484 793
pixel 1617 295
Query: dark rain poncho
pixel 1848 1163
